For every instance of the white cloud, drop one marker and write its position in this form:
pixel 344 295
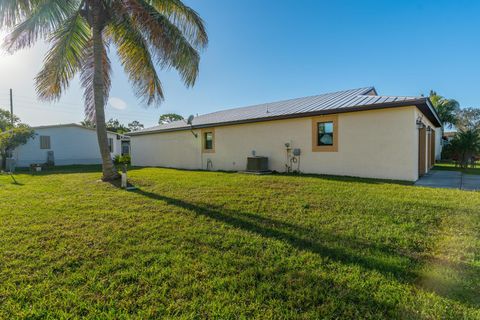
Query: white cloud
pixel 117 103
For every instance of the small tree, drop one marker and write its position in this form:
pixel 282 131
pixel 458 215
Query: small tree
pixel 87 123
pixel 169 117
pixel 468 118
pixel 6 119
pixel 13 138
pixel 115 126
pixel 135 126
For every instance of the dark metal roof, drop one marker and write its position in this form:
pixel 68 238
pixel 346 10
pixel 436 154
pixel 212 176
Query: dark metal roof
pixel 328 103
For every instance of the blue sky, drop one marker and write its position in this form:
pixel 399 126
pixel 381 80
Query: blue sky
pixel 263 51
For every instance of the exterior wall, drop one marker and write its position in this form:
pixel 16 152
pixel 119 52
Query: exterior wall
pixel 179 149
pixel 373 144
pixel 70 145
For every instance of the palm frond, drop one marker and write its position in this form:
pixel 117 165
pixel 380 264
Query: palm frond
pixel 41 19
pixel 168 43
pixel 135 57
pixel 447 109
pixel 65 58
pixel 86 79
pixel 13 11
pixel 185 18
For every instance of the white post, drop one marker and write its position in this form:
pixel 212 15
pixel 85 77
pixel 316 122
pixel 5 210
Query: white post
pixel 124 180
pixel 124 177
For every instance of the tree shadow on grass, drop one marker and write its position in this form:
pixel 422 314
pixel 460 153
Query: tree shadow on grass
pixel 290 234
pixel 389 261
pixel 303 291
pixel 13 180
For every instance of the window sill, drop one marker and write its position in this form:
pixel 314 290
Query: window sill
pixel 324 149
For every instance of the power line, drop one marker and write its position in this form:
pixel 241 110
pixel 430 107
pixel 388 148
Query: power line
pixel 53 105
pixel 128 113
pixel 27 103
pixel 76 113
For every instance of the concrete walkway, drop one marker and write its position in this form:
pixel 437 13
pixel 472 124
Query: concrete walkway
pixel 449 179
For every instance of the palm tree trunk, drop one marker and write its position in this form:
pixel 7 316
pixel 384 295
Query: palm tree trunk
pixel 108 168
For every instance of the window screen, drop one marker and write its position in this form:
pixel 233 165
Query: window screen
pixel 110 144
pixel 44 142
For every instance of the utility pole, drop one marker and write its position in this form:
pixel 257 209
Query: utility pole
pixel 11 107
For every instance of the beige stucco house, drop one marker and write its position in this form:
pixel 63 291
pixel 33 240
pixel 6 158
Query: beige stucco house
pixel 350 133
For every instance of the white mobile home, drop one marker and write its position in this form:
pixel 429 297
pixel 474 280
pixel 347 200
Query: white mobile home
pixel 352 133
pixel 67 144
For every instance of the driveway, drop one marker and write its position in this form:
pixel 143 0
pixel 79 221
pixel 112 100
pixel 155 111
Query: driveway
pixel 449 179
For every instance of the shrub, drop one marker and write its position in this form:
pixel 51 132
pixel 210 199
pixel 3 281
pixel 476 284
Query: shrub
pixel 448 151
pixel 465 146
pixel 119 159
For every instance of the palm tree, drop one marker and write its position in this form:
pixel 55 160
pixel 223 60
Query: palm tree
pixel 466 145
pixel 145 33
pixel 447 109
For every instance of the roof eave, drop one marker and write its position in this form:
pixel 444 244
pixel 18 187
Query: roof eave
pixel 413 102
pixel 65 125
pixel 434 112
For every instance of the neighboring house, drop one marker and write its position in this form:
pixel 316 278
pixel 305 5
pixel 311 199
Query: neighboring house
pixel 69 143
pixel 351 133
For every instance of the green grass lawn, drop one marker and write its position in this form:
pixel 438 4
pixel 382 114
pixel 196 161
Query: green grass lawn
pixel 451 167
pixel 199 245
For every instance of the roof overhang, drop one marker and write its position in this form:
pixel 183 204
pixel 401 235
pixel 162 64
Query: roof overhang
pixel 76 125
pixel 423 104
pixel 433 113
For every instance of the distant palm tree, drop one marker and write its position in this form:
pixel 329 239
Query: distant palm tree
pixel 144 32
pixel 447 109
